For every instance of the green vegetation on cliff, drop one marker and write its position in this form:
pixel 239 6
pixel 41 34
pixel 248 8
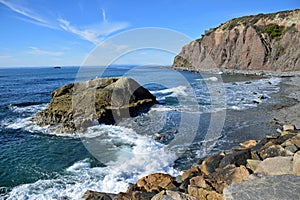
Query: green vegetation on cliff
pixel 274 31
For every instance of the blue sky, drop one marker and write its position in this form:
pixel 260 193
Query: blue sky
pixel 64 32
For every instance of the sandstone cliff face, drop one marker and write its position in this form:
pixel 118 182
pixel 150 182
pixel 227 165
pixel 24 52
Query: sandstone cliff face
pixel 75 107
pixel 260 42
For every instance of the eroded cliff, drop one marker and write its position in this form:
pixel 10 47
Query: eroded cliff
pixel 260 42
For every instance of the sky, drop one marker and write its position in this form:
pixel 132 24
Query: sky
pixel 65 32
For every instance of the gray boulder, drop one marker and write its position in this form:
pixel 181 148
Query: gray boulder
pixel 264 187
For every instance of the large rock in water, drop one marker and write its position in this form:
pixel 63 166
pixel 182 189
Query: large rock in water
pixel 77 106
pixel 258 42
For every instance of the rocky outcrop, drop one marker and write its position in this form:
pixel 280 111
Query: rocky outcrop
pixel 77 106
pixel 164 195
pixel 93 195
pixel 148 186
pixel 264 169
pixel 260 42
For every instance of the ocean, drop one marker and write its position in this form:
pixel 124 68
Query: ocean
pixel 195 114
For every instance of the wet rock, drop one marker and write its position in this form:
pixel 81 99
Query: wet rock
pixel 199 181
pixel 75 107
pixel 142 195
pixel 229 175
pixel 292 141
pixel 93 195
pixel 275 166
pixel 274 151
pixel 296 164
pixel 288 127
pixel 170 195
pixel 211 163
pixel 156 182
pixel 203 194
pixel 135 195
pixel 265 187
pixel 284 133
pixel 292 148
pixel 255 101
pixel 237 158
pixel 194 171
pixel 262 97
pixel 248 144
pixel 283 138
pixel 252 164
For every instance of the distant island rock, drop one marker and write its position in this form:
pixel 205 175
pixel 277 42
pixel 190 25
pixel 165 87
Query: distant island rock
pixel 75 107
pixel 257 42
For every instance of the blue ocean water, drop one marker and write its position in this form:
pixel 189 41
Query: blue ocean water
pixel 36 164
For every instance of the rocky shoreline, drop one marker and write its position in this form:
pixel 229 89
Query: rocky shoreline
pixel 268 168
pixel 228 175
pixel 259 73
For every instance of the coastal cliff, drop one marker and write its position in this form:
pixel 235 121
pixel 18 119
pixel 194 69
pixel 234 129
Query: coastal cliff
pixel 258 42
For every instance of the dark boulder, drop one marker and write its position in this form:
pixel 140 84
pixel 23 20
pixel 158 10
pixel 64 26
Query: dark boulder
pixel 93 195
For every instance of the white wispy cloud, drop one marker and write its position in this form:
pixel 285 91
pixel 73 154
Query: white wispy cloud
pixel 94 33
pixel 104 15
pixel 40 52
pixel 87 34
pixel 27 14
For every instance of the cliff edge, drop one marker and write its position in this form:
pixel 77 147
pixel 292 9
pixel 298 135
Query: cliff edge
pixel 257 42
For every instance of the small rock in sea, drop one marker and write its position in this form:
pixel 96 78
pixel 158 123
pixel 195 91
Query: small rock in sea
pixel 255 101
pixel 248 82
pixel 63 198
pixel 262 97
pixel 269 82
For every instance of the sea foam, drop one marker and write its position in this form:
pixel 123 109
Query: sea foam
pixel 137 156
